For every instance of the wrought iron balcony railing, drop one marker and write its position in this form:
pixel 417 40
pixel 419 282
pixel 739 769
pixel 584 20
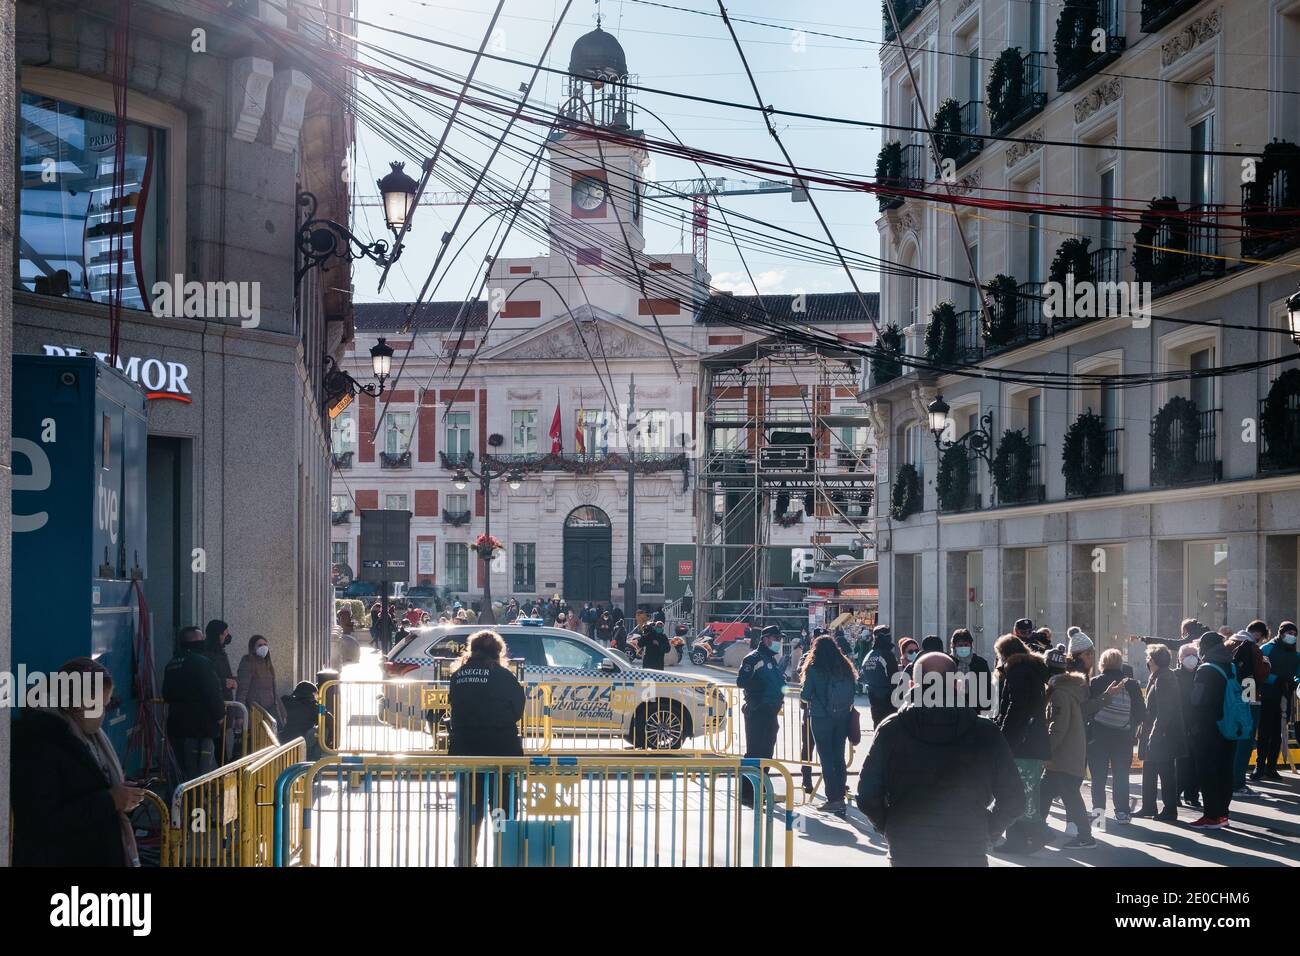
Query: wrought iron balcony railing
pixel 456 459
pixel 1076 54
pixel 1184 250
pixel 1035 491
pixel 455 518
pixel 1271 214
pixel 1282 453
pixel 1157 14
pixel 394 459
pixel 1111 481
pixel 343 459
pixel 1024 91
pixel 341 517
pixel 1178 464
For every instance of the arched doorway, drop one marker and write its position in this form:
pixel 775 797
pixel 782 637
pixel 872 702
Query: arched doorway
pixel 587 554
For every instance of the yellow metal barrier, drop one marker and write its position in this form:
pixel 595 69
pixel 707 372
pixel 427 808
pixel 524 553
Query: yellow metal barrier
pixel 427 810
pixel 263 733
pixel 257 796
pixel 205 814
pixel 582 715
pixel 403 717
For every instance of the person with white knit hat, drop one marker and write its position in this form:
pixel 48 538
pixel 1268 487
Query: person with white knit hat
pixel 1082 650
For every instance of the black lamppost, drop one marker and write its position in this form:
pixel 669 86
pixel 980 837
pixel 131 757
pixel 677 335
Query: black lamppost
pixel 340 387
pixel 978 440
pixel 486 474
pixel 320 240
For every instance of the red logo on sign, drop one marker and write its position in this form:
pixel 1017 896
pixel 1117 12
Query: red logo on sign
pixel 685 568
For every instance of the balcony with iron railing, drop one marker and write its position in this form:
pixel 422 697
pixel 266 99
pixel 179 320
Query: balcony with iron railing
pixel 970 336
pixel 395 459
pixel 1183 250
pixel 1278 449
pixel 1020 93
pixel 904 10
pixel 455 518
pixel 969 497
pixel 1077 57
pixel 1157 14
pixel 1107 298
pixel 971 143
pixel 1271 214
pixel 341 517
pixel 343 459
pixel 1035 491
pixel 456 459
pixel 1189 454
pixel 1111 479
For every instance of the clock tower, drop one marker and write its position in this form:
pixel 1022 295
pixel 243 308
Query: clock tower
pixel 596 183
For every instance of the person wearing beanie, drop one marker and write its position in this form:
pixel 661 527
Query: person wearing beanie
pixel 1082 651
pixel 1022 718
pixel 1189 784
pixel 1212 751
pixel 878 674
pixel 1276 695
pixel 1043 637
pixel 1163 739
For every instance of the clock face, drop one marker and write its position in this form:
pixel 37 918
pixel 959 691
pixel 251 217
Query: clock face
pixel 588 193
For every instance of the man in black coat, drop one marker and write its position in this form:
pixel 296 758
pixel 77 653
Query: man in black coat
pixel 1276 695
pixel 654 646
pixel 931 775
pixel 195 705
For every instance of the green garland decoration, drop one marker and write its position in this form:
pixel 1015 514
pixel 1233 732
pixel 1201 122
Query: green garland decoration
pixel 1011 466
pixel 947 129
pixel 1001 295
pixel 905 498
pixel 953 481
pixel 1005 93
pixel 941 334
pixel 1083 454
pixel 1072 258
pixel 1275 421
pixel 1169 464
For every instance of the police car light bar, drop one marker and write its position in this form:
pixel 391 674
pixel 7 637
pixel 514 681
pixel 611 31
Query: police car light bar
pixel 530 622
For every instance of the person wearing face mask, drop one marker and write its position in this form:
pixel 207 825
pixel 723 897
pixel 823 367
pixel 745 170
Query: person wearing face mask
pixel 908 651
pixel 216 639
pixel 71 802
pixel 195 705
pixel 1276 695
pixel 1189 786
pixel 961 648
pixel 257 679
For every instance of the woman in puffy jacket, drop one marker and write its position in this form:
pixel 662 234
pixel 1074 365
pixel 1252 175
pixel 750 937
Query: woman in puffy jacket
pixel 829 682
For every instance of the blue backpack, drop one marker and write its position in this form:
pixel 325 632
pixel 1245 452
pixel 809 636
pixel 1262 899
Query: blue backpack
pixel 1235 724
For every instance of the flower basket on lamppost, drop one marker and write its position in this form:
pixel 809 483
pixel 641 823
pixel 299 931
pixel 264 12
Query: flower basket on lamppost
pixel 485 545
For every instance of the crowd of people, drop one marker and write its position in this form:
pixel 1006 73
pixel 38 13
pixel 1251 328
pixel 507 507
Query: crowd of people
pixel 943 789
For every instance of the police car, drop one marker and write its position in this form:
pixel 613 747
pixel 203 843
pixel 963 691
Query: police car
pixel 595 690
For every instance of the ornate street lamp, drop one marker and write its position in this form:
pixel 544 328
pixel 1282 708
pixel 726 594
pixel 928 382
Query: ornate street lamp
pixel 340 387
pixel 978 440
pixel 320 240
pixel 1293 317
pixel 486 474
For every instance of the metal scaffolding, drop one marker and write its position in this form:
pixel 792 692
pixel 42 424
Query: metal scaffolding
pixel 770 439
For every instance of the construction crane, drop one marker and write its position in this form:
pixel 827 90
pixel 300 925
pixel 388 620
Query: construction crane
pixel 698 191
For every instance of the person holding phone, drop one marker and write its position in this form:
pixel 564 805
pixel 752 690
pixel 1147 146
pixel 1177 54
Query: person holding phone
pixel 71 801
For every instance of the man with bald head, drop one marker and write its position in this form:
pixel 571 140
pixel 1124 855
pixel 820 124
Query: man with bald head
pixel 939 780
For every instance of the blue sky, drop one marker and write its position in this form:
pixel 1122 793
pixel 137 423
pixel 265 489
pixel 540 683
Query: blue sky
pixel 669 50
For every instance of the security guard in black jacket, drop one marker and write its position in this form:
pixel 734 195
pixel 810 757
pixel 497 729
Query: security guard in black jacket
pixel 486 703
pixel 764 688
pixel 654 646
pixel 195 705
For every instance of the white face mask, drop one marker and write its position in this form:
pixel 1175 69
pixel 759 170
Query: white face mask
pixel 263 651
pixel 1189 662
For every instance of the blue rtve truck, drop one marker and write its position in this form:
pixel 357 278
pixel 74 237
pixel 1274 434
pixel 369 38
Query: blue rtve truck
pixel 79 544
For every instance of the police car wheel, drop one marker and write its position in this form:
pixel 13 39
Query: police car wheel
pixel 660 725
pixel 698 657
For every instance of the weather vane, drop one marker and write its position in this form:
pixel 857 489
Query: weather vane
pixel 598 17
